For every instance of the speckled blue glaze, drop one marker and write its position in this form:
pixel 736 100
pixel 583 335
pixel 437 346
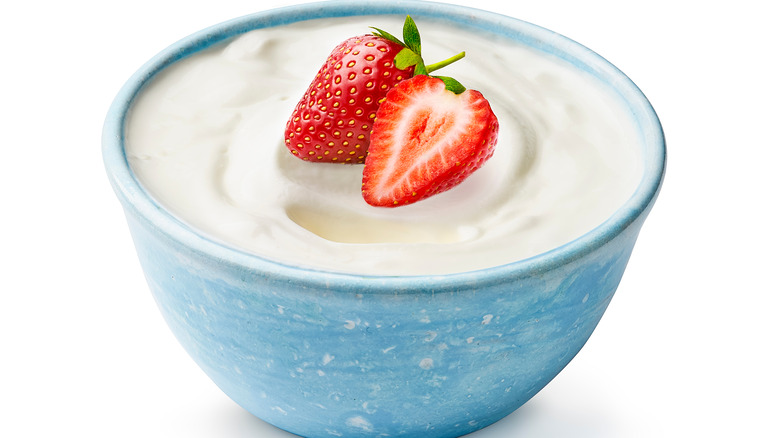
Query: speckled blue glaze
pixel 324 354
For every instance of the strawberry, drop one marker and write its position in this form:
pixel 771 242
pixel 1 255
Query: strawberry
pixel 333 120
pixel 426 139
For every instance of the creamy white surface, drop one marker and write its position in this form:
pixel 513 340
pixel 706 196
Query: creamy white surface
pixel 205 138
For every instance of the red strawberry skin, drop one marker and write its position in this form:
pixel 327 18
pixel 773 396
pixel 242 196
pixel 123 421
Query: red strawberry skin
pixel 426 140
pixel 333 119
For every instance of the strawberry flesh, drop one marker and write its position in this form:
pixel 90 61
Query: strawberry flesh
pixel 426 140
pixel 333 119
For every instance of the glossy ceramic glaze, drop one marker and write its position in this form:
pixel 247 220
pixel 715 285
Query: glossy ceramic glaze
pixel 324 354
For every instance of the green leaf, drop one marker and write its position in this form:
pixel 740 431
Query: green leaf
pixel 406 58
pixel 420 69
pixel 387 36
pixel 452 84
pixel 412 36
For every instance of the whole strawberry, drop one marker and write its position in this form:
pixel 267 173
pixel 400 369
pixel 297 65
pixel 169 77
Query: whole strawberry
pixel 332 122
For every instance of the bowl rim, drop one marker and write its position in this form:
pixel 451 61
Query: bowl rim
pixel 137 200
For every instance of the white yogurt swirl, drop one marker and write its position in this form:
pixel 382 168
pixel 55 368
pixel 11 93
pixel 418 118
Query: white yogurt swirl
pixel 206 139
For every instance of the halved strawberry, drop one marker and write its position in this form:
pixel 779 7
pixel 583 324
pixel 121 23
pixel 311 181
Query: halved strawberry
pixel 426 139
pixel 332 121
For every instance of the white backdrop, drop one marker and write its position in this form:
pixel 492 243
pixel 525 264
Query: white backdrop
pixel 687 348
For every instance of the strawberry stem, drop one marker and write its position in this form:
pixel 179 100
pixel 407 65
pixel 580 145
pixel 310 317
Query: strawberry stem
pixel 446 62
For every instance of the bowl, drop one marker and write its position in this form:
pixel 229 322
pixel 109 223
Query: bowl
pixel 321 353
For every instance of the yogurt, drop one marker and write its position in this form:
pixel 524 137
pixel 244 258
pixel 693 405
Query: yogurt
pixel 205 138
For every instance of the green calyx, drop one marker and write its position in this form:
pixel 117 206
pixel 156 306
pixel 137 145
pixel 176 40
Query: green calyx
pixel 411 55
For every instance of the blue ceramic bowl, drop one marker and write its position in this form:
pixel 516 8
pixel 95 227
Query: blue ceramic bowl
pixel 322 354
